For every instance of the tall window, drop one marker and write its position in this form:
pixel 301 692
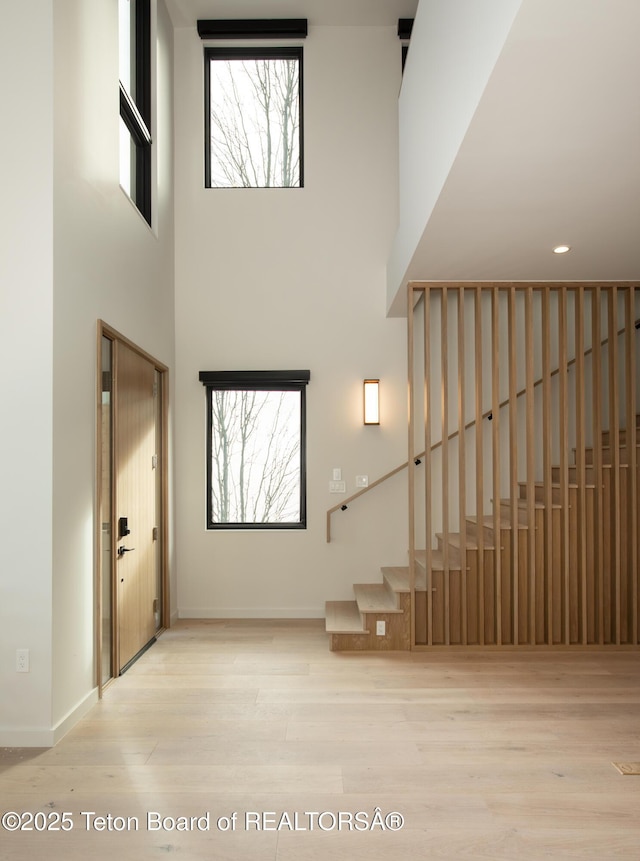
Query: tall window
pixel 256 449
pixel 134 18
pixel 253 117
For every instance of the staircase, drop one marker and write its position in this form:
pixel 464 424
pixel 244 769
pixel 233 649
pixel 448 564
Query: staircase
pixel 568 577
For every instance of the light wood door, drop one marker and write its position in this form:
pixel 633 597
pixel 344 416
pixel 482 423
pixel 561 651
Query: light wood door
pixel 136 562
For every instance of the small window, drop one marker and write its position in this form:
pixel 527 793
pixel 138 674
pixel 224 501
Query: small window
pixel 135 102
pixel 253 118
pixel 256 450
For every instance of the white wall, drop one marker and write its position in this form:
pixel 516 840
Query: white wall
pixel 454 47
pixel 26 343
pixel 108 265
pixel 80 252
pixel 295 279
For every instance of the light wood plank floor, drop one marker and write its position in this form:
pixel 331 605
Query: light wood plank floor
pixel 486 755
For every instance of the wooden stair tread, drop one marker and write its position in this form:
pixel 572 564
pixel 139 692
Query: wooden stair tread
pixel 622 447
pixel 437 560
pixel 398 578
pixel 343 617
pixel 524 504
pixel 471 542
pixel 375 598
pixel 504 522
pixel 622 434
pixel 557 485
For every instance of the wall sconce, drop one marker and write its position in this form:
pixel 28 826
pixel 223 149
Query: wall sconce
pixel 371 402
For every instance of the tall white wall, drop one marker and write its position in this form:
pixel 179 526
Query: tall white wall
pixel 295 279
pixel 77 251
pixel 108 265
pixel 454 47
pixel 26 345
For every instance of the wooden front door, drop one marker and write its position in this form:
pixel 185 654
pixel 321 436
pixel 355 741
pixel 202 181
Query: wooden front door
pixel 136 504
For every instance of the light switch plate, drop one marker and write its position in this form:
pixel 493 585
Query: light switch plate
pixel 337 473
pixel 362 481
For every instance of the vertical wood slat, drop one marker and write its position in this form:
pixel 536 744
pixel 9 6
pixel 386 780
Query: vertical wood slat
pixel 462 465
pixel 564 465
pixel 530 457
pixel 546 465
pixel 427 462
pixel 580 462
pixel 495 410
pixel 632 457
pixel 411 477
pixel 598 555
pixel 479 461
pixel 513 464
pixel 614 450
pixel 444 379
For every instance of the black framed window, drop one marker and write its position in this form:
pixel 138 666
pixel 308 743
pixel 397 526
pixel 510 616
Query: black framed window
pixel 253 117
pixel 134 19
pixel 256 449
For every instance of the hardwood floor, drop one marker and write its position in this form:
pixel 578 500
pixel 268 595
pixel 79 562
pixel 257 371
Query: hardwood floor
pixel 486 755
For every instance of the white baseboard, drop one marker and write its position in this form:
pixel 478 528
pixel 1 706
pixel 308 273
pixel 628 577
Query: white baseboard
pixel 63 726
pixel 251 613
pixel 41 737
pixel 26 737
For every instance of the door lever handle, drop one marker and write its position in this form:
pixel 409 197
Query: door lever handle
pixel 122 550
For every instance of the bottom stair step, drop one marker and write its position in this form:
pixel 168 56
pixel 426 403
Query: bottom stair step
pixel 343 617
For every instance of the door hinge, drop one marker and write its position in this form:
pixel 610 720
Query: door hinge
pixel 154 533
pixel 154 461
pixel 155 605
pixel 155 389
pixel 106 381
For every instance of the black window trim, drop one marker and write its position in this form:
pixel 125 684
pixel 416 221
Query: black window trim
pixel 405 26
pixel 259 381
pixel 286 52
pixel 136 114
pixel 252 28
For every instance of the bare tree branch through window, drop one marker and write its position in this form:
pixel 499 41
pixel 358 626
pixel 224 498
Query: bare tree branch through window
pixel 255 456
pixel 254 121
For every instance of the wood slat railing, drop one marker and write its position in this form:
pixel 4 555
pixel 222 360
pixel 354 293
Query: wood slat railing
pixel 548 552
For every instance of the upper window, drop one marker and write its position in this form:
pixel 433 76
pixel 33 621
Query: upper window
pixel 134 18
pixel 256 449
pixel 253 117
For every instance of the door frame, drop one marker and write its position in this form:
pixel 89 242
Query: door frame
pixel 106 331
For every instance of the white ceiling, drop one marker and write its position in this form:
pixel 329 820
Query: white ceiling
pixel 184 13
pixel 551 156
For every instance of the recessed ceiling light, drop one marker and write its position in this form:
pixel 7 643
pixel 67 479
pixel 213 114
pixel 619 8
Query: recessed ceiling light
pixel 561 249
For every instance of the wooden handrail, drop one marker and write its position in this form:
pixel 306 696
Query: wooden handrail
pixel 342 506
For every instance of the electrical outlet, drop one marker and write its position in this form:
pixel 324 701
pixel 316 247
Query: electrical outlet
pixel 22 660
pixel 337 487
pixel 381 628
